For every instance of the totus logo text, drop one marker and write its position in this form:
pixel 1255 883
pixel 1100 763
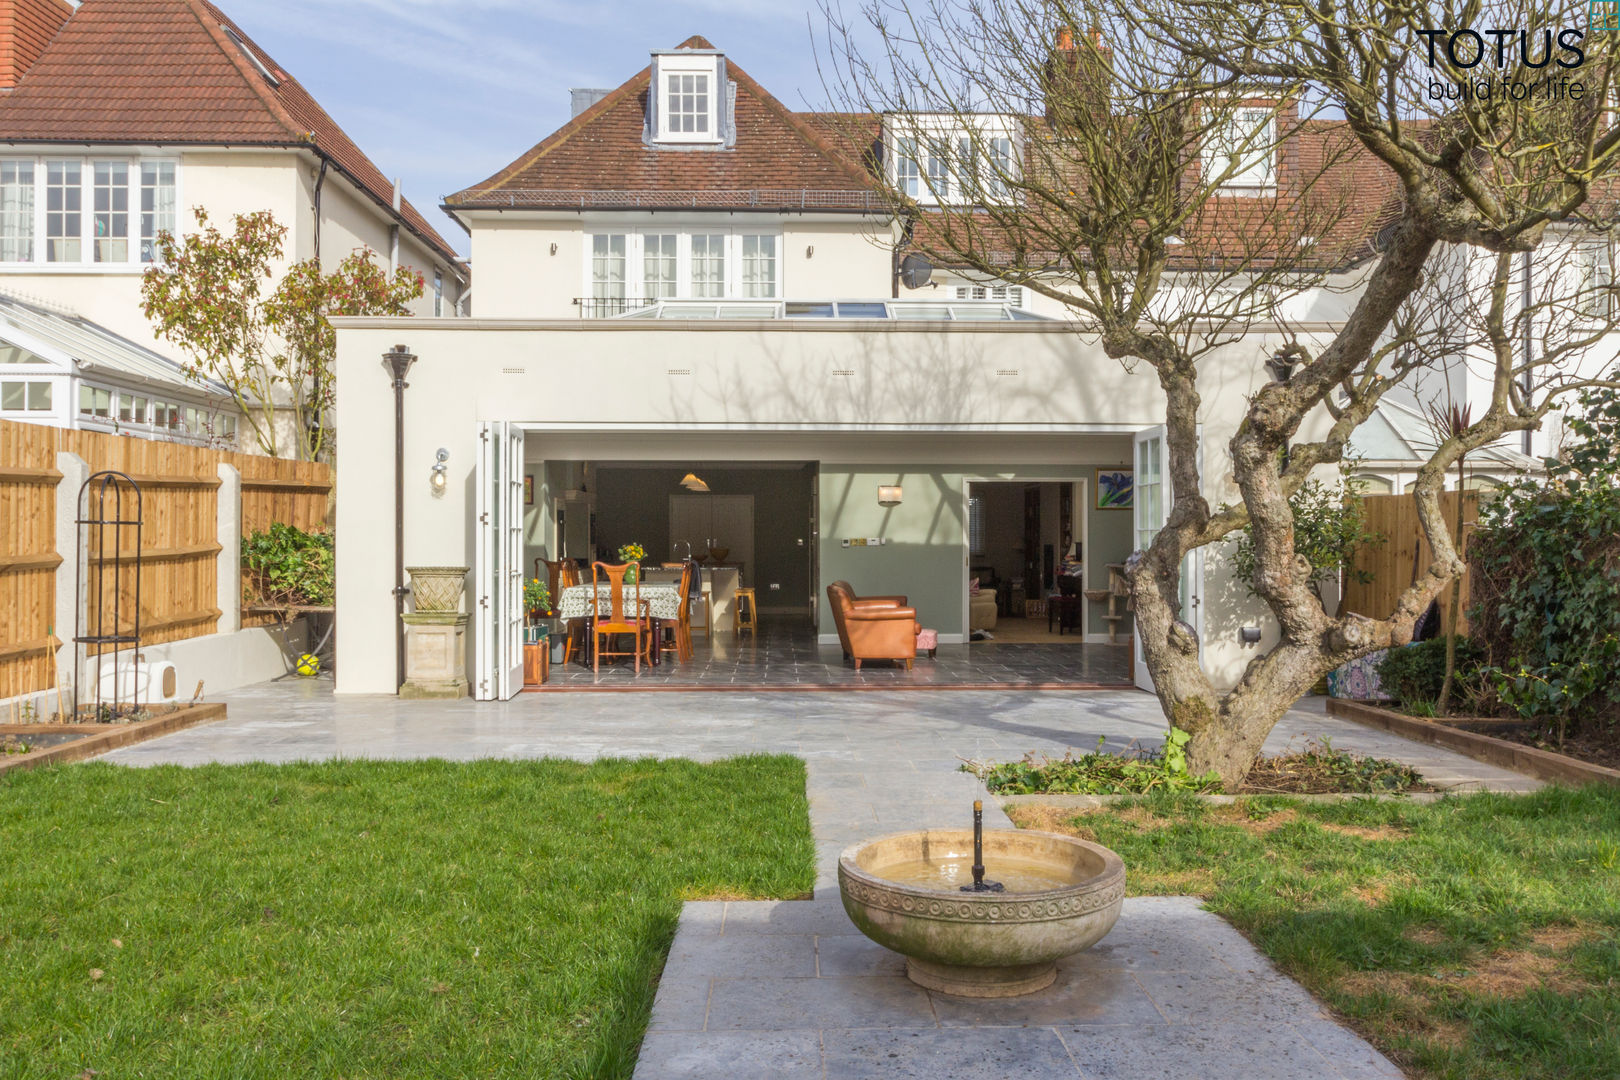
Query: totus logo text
pixel 1479 65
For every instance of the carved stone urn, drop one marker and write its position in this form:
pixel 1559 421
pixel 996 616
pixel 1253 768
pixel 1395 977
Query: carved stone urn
pixel 436 634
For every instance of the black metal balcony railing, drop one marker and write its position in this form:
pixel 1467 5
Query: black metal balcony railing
pixel 605 307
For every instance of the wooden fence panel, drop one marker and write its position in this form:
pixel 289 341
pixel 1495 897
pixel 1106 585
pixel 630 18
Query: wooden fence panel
pixel 1391 563
pixel 179 542
pixel 28 559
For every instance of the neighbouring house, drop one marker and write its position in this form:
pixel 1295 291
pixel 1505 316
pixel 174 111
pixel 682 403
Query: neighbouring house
pixel 63 370
pixel 117 117
pixel 691 281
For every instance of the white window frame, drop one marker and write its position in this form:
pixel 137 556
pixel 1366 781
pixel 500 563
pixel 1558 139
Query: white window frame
pixel 636 282
pixel 1011 295
pixel 25 214
pixel 1254 170
pixel 703 66
pixel 935 158
pixel 27 409
pixel 136 244
pixel 1594 270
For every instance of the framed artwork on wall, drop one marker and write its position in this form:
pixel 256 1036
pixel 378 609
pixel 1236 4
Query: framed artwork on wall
pixel 1115 489
pixel 528 490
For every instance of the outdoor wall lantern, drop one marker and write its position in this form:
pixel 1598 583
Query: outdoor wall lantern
pixel 1281 366
pixel 889 494
pixel 439 477
pixel 810 251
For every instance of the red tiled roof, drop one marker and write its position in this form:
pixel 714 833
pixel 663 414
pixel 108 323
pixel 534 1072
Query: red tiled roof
pixel 26 27
pixel 778 159
pixel 166 72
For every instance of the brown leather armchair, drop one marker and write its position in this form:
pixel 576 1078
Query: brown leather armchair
pixel 873 627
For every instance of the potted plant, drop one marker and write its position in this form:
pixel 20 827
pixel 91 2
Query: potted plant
pixel 632 554
pixel 536 654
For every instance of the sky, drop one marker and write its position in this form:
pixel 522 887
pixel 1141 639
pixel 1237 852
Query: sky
pixel 444 93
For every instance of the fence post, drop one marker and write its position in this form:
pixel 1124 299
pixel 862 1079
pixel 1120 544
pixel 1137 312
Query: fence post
pixel 71 587
pixel 228 533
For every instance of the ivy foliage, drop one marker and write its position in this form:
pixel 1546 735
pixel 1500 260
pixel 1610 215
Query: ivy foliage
pixel 1547 578
pixel 286 565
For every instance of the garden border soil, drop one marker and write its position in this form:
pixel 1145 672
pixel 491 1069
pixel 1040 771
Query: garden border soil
pixel 1541 764
pixel 1075 801
pixel 99 738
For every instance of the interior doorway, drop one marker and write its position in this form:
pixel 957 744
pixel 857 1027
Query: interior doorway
pixel 1026 544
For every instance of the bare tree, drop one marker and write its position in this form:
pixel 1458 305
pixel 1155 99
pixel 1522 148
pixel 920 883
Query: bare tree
pixel 1182 172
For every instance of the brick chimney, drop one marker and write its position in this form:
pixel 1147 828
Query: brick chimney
pixel 26 27
pixel 1079 74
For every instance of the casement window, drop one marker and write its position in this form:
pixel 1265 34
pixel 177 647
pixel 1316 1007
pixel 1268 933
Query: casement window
pixel 16 211
pixel 1007 294
pixel 1594 280
pixel 95 401
pixel 111 222
pixel 939 170
pixel 103 212
pixel 438 293
pixel 24 396
pixel 1240 151
pixel 689 89
pixel 659 262
pixel 607 270
pixel 157 205
pixel 627 269
pixel 952 160
pixel 759 266
pixel 907 174
pixel 64 205
pixel 708 265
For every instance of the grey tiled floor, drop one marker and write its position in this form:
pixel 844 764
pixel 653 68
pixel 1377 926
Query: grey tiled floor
pixel 783 653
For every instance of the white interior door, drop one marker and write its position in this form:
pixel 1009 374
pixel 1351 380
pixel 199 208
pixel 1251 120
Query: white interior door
pixel 1151 504
pixel 498 635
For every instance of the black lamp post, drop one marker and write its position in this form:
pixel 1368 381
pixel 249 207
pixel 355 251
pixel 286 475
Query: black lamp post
pixel 399 360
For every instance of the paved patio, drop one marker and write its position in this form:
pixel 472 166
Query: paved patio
pixel 786 989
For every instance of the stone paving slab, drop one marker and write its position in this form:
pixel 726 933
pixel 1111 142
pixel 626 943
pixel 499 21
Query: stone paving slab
pixel 1173 992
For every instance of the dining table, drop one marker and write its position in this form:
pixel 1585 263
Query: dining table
pixel 662 600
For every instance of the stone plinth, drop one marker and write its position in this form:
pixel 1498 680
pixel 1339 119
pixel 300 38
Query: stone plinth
pixel 435 655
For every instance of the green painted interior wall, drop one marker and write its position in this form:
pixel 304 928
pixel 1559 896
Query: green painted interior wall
pixel 922 556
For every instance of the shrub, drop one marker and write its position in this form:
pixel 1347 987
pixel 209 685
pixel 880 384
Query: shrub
pixel 1547 578
pixel 1414 673
pixel 286 565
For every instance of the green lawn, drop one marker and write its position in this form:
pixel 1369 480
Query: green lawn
pixel 1477 937
pixel 367 919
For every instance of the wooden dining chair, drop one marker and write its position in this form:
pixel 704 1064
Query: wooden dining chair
pixel 575 631
pixel 680 634
pixel 624 615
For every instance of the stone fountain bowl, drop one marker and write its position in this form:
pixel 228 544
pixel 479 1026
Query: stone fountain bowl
pixel 986 945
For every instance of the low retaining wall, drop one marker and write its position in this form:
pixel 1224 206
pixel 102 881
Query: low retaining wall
pixel 1541 764
pixel 99 738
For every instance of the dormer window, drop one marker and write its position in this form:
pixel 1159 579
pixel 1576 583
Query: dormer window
pixel 949 160
pixel 1240 150
pixel 688 88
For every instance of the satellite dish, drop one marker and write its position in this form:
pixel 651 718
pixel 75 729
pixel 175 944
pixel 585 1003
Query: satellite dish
pixel 915 271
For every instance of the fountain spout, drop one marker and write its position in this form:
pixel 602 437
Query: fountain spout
pixel 979 884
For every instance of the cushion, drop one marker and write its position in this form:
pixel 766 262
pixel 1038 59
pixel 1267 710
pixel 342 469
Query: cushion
pixel 973 587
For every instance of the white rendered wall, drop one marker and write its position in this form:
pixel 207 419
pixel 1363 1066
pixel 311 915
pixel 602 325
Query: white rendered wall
pixel 934 389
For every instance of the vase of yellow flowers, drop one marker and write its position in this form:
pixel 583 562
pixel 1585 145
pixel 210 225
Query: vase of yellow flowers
pixel 536 599
pixel 632 554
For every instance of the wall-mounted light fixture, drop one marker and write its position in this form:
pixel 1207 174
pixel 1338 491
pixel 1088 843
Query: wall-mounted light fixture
pixel 1281 365
pixel 692 482
pixel 810 251
pixel 890 494
pixel 439 478
pixel 554 247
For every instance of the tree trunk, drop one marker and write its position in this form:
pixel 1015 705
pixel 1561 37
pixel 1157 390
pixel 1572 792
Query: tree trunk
pixel 1443 705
